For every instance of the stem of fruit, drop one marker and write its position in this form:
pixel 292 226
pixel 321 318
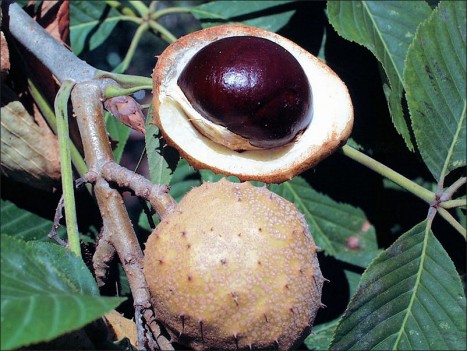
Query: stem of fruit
pixel 61 112
pixel 157 195
pixel 419 191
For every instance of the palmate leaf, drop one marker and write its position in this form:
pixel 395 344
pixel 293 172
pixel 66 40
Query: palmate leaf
pixel 46 291
pixel 410 297
pixel 91 23
pixel 247 12
pixel 331 223
pixel 436 88
pixel 386 28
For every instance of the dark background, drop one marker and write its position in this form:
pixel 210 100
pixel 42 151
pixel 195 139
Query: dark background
pixel 392 212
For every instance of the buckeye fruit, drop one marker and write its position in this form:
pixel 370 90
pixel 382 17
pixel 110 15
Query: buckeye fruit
pixel 244 101
pixel 234 267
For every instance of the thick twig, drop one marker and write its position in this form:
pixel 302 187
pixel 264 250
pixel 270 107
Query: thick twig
pixel 63 64
pixel 157 195
pixel 118 227
pixel 102 258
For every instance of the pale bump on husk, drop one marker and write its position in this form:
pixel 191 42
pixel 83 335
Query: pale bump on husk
pixel 329 129
pixel 233 267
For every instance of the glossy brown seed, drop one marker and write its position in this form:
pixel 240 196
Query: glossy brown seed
pixel 252 86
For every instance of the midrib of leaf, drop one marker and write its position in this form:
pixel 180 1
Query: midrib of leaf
pixel 94 23
pixel 380 35
pixel 207 13
pixel 159 171
pixel 331 250
pixel 417 285
pixel 451 147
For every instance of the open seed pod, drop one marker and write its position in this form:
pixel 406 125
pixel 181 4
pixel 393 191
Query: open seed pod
pixel 211 137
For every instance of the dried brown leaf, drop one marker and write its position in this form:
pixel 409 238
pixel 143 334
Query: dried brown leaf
pixel 54 16
pixel 29 153
pixel 4 56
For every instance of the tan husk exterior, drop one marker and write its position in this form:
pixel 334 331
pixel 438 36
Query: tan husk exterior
pixel 234 267
pixel 329 129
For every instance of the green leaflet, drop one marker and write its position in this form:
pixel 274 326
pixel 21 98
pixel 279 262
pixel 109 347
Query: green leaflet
pixel 436 91
pixel 89 28
pixel 331 223
pixel 386 28
pixel 46 291
pixel 410 297
pixel 159 170
pixel 247 12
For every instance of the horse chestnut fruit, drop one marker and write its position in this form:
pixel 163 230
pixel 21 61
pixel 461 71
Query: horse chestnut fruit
pixel 252 86
pixel 234 267
pixel 265 114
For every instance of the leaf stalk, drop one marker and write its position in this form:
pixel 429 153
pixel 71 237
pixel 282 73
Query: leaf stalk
pixel 49 115
pixel 165 33
pixel 454 203
pixel 419 191
pixel 61 112
pixel 123 66
pixel 125 80
pixel 140 7
pixel 113 91
pixel 452 221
